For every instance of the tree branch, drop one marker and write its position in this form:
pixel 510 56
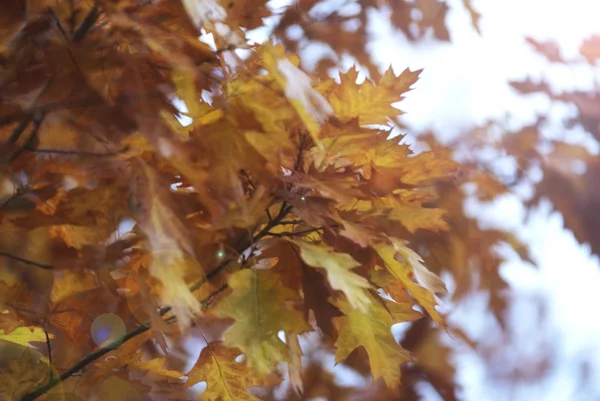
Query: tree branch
pixel 26 261
pixel 86 25
pixel 75 152
pixel 291 222
pixel 99 352
pixel 247 177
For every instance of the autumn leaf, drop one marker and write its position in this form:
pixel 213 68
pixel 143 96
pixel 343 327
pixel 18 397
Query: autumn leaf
pixel 295 363
pixel 257 304
pixel 69 283
pixel 371 103
pixel 165 233
pixel 155 366
pixel 226 379
pixel 339 272
pixel 22 375
pixel 372 330
pixel 429 284
pixel 415 217
pixel 25 335
pixel 157 161
pixel 311 106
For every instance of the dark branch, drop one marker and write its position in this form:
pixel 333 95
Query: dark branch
pixel 26 261
pixel 49 348
pixel 75 152
pixel 247 177
pixel 291 222
pixel 16 134
pixel 32 136
pixel 86 25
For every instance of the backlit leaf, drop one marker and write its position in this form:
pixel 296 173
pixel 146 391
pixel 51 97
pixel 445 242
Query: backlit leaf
pixel 258 305
pixel 226 379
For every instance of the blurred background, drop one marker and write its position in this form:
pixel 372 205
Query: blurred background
pixel 551 351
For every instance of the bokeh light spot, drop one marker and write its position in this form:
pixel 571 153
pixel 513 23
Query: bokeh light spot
pixel 108 329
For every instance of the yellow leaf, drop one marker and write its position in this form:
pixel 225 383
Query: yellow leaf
pixel 423 276
pixel 226 379
pixel 155 366
pixel 311 106
pixel 270 145
pixel 169 245
pixel 371 330
pixel 67 283
pixel 22 375
pixel 370 103
pixel 426 167
pixel 25 335
pixel 405 271
pixel 295 363
pixel 339 272
pixel 415 217
pixel 256 303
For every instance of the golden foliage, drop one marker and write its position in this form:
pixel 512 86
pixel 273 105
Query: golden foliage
pixel 283 207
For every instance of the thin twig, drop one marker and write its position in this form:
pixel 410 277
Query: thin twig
pixel 296 165
pixel 268 214
pixel 247 177
pixel 60 27
pixel 26 261
pixel 292 234
pixel 49 347
pixel 89 21
pixel 14 136
pixel 30 140
pixel 75 152
pixel 291 222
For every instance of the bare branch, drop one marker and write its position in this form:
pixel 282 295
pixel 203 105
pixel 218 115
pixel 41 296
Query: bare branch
pixel 75 153
pixel 291 222
pixel 88 22
pixel 26 261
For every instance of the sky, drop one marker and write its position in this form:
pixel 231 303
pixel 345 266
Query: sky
pixel 465 83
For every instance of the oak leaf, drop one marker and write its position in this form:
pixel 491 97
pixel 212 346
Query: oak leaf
pixel 257 303
pixel 339 272
pixel 372 330
pixel 371 103
pixel 429 284
pixel 226 379
pixel 25 335
pixel 22 375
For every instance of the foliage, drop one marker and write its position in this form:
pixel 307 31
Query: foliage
pixel 281 222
